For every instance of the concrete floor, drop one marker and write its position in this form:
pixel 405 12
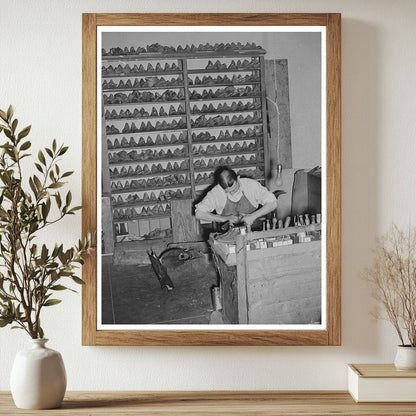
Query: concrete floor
pixel 131 294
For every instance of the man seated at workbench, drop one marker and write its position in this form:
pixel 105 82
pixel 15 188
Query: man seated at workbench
pixel 235 200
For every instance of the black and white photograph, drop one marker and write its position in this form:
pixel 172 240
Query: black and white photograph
pixel 211 148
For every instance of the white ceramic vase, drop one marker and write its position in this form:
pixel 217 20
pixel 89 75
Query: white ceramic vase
pixel 405 358
pixel 38 377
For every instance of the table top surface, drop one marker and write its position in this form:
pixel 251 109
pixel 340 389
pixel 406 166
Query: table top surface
pixel 210 403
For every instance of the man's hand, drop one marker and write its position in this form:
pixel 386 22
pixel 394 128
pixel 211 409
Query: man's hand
pixel 248 220
pixel 233 219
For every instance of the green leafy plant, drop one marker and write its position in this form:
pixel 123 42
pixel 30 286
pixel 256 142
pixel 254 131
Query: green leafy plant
pixel 393 277
pixel 30 272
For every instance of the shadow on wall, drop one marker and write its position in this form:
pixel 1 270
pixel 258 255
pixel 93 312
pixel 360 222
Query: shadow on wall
pixel 361 189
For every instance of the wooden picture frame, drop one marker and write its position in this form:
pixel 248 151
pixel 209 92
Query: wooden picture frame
pixel 331 334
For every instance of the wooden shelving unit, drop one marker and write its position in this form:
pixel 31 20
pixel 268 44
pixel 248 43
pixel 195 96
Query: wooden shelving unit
pixel 170 120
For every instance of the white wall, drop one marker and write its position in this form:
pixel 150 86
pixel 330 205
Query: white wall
pixel 41 76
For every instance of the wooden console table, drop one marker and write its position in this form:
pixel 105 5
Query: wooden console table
pixel 178 403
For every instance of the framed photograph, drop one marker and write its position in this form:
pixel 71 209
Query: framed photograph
pixel 211 172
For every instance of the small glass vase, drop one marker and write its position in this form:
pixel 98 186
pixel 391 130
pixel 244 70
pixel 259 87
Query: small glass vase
pixel 405 358
pixel 38 377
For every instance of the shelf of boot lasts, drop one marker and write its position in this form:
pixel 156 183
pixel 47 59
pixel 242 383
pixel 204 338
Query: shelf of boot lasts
pixel 122 208
pixel 125 144
pixel 141 203
pixel 126 103
pixel 206 183
pixel 175 86
pixel 140 217
pixel 143 56
pixel 235 108
pixel 147 82
pixel 140 71
pixel 226 156
pixel 149 117
pixel 176 101
pixel 115 90
pixel 213 139
pixel 236 79
pixel 143 146
pixel 239 166
pixel 115 191
pixel 227 84
pixel 233 66
pixel 167 87
pixel 207 179
pixel 182 130
pixel 159 140
pixel 224 112
pixel 134 175
pixel 217 71
pixel 141 74
pixel 227 126
pixel 110 131
pixel 194 112
pixel 150 161
pixel 192 100
pixel 230 153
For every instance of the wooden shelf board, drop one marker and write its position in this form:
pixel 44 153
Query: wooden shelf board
pixel 214 403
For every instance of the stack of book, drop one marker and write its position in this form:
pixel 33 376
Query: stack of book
pixel 381 383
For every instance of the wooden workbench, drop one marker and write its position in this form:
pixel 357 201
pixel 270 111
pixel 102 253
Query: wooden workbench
pixel 212 403
pixel 272 285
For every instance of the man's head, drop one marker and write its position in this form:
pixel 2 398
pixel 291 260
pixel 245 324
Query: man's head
pixel 227 179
